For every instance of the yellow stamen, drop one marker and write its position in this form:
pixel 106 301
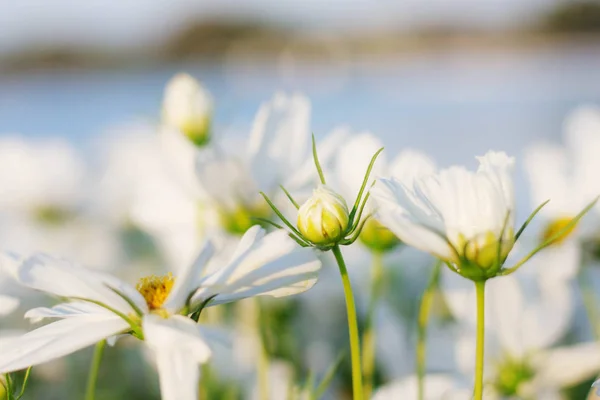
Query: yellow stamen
pixel 155 289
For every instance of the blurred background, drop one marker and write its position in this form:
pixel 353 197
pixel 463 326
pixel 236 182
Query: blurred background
pixel 453 78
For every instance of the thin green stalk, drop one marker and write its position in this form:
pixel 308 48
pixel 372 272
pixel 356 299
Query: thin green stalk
pixel 589 301
pixel 357 385
pixel 368 346
pixel 262 362
pixel 93 376
pixel 424 312
pixel 478 386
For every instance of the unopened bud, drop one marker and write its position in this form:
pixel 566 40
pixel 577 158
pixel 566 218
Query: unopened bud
pixel 323 219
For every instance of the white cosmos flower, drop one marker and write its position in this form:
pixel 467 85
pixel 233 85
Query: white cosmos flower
pixel 278 152
pixel 158 308
pixel 456 215
pixel 351 163
pixel 187 108
pixel 526 318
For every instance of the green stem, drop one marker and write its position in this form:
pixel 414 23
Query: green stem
pixel 357 386
pixel 478 387
pixel 589 301
pixel 93 376
pixel 368 346
pixel 262 362
pixel 424 312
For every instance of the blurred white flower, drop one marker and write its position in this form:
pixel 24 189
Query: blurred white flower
pixel 461 217
pixel 104 306
pixel 438 386
pixel 277 153
pixel 187 108
pixel 526 317
pixel 139 186
pixel 567 175
pixel 352 160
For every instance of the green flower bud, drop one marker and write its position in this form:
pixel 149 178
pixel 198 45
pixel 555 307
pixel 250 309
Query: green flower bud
pixel 377 237
pixel 187 107
pixel 323 219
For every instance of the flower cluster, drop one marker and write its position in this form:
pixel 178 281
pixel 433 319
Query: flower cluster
pixel 195 243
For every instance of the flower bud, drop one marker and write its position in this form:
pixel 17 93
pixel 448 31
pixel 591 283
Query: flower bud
pixel 238 220
pixel 187 107
pixel 555 227
pixel 377 237
pixel 323 219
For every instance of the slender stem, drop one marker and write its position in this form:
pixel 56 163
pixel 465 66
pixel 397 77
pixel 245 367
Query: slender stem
pixel 93 376
pixel 589 301
pixel 478 386
pixel 357 386
pixel 262 362
pixel 368 345
pixel 424 312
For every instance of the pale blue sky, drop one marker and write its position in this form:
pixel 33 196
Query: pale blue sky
pixel 131 22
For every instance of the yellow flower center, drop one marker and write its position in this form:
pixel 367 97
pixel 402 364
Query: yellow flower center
pixel 484 250
pixel 155 289
pixel 555 227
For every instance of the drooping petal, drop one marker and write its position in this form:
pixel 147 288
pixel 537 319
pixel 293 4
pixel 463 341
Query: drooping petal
pixel 188 280
pixel 179 351
pixel 61 278
pixel 57 339
pixel 272 265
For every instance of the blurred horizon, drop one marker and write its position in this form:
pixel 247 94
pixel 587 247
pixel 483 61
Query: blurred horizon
pixel 70 34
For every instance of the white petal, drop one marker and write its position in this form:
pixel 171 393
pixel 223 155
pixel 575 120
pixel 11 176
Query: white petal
pixel 179 349
pixel 436 387
pixel 8 304
pixel 66 310
pixel 188 280
pixel 352 161
pixel 569 365
pixel 61 278
pixel 225 179
pixel 409 165
pixel 279 139
pixel 57 340
pixel 272 265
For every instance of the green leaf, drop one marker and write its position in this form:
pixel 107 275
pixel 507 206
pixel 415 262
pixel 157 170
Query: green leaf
pixel 316 159
pixel 533 214
pixel 329 375
pixel 289 196
pixel 551 239
pixel 280 215
pixel 364 184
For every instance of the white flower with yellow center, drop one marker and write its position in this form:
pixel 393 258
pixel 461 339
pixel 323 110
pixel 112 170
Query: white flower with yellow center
pixel 160 310
pixel 187 108
pixel 526 318
pixel 464 218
